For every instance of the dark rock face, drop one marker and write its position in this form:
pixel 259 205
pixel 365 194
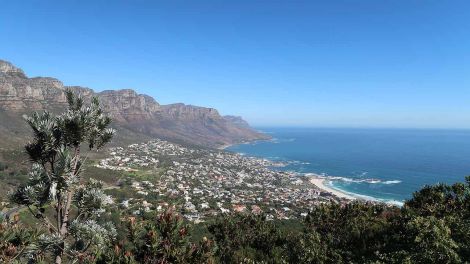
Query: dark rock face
pixel 138 114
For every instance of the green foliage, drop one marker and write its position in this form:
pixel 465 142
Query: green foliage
pixel 432 241
pixel 432 227
pixel 16 241
pixel 307 247
pixel 162 239
pixel 442 200
pixel 451 205
pixel 356 230
pixel 247 238
pixel 424 231
pixel 73 223
pixel 55 179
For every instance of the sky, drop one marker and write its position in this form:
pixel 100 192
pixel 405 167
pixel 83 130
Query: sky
pixel 332 63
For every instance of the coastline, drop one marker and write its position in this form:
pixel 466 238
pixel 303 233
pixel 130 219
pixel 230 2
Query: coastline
pixel 225 146
pixel 320 183
pixel 228 145
pixel 316 180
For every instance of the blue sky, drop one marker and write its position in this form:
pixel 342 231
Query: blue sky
pixel 349 63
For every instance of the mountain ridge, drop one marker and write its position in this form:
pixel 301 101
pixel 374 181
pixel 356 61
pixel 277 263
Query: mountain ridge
pixel 139 114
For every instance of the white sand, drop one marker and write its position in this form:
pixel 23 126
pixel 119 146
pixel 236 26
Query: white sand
pixel 320 183
pixel 223 147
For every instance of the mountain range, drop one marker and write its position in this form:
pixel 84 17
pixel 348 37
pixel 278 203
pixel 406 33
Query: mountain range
pixel 138 117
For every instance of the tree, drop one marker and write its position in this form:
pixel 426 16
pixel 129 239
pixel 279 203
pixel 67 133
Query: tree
pixel 355 231
pixel 308 247
pixel 432 242
pixel 450 203
pixel 164 238
pixel 248 238
pixel 55 186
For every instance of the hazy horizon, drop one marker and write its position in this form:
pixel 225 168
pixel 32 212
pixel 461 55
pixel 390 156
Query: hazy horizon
pixel 352 64
pixel 262 127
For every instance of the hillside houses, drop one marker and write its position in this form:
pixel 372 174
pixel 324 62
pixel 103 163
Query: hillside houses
pixel 210 182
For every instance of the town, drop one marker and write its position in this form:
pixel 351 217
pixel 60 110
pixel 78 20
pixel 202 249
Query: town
pixel 202 183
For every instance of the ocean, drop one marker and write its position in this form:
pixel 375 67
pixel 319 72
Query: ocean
pixel 379 164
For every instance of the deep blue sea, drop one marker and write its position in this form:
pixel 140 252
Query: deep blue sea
pixel 382 164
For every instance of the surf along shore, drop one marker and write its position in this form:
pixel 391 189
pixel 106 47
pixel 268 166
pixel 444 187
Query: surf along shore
pixel 321 183
pixel 317 180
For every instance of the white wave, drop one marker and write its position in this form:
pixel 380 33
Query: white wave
pixel 392 182
pixel 296 162
pixel 367 197
pixel 309 174
pixel 371 181
pixel 265 132
pixel 275 158
pixel 281 140
pixel 351 180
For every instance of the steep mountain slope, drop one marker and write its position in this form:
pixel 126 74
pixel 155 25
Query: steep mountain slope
pixel 137 116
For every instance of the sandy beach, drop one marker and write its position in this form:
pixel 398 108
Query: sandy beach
pixel 320 183
pixel 223 147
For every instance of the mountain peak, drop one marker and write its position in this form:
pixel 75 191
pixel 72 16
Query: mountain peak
pixel 137 115
pixel 8 68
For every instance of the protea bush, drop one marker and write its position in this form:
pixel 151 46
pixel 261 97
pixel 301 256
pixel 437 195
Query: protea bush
pixel 67 207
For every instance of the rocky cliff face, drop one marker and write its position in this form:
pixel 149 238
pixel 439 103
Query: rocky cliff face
pixel 237 121
pixel 128 106
pixel 140 115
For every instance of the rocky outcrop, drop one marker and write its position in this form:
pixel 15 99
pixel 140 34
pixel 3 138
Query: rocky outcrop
pixel 138 114
pixel 128 106
pixel 8 68
pixel 237 121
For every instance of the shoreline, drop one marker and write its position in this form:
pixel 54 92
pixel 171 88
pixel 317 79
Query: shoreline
pixel 320 183
pixel 316 180
pixel 225 146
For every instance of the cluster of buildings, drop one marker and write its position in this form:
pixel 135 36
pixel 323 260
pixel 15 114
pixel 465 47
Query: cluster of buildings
pixel 202 183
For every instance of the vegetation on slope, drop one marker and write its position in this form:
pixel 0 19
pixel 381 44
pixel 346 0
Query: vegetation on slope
pixel 74 221
pixel 432 227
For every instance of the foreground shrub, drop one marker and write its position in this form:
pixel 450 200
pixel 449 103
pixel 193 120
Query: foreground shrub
pixel 16 242
pixel 248 238
pixel 55 181
pixel 162 239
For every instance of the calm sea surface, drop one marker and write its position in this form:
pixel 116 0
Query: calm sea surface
pixel 383 164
